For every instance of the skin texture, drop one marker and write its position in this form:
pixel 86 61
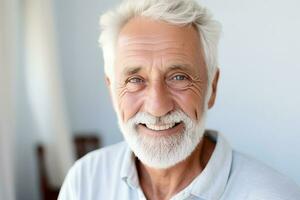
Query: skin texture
pixel 160 68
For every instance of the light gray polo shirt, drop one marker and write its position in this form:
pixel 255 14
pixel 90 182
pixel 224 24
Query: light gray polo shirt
pixel 110 174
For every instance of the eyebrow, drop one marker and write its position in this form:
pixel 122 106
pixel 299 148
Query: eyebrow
pixel 131 70
pixel 183 67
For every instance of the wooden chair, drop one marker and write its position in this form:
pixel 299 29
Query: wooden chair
pixel 83 144
pixel 48 192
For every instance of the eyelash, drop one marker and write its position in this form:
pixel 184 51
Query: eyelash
pixel 134 78
pixel 179 75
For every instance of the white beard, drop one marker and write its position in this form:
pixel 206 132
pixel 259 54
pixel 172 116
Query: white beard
pixel 163 151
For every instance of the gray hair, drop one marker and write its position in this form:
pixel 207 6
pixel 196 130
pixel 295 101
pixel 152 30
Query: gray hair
pixel 177 12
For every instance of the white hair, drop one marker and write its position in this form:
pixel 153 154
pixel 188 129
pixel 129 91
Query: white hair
pixel 177 12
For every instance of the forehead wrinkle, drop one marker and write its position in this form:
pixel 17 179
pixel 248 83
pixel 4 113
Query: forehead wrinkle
pixel 149 43
pixel 145 39
pixel 157 47
pixel 152 47
pixel 140 53
pixel 163 59
pixel 133 59
pixel 152 51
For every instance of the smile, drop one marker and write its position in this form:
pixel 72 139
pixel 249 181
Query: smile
pixel 161 127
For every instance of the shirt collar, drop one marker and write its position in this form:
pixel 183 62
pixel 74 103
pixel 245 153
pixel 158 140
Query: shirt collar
pixel 128 169
pixel 209 184
pixel 212 181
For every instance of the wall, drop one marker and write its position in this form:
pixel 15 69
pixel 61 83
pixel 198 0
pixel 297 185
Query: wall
pixel 9 22
pixel 88 100
pixel 258 106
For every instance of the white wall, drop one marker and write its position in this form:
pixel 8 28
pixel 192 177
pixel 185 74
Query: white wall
pixel 258 105
pixel 87 97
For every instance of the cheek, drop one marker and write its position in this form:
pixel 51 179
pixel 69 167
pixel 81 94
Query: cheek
pixel 190 102
pixel 129 105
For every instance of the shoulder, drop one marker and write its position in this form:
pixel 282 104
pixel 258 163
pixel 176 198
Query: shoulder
pixel 256 180
pixel 106 160
pixel 109 154
pixel 100 167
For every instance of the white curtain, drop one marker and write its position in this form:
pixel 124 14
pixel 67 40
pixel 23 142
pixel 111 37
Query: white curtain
pixel 8 57
pixel 45 88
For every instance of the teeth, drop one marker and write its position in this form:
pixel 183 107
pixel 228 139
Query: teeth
pixel 160 127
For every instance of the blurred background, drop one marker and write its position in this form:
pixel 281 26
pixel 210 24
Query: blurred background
pixel 54 106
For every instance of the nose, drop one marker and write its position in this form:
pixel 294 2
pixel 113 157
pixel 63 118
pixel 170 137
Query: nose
pixel 158 101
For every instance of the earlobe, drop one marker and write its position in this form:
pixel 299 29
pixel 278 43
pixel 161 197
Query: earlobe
pixel 108 84
pixel 214 86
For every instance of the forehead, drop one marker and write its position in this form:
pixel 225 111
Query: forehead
pixel 144 39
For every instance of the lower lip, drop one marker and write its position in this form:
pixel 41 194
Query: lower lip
pixel 144 130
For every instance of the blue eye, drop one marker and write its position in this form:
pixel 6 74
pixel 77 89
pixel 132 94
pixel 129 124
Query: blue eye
pixel 179 77
pixel 135 80
pixel 179 81
pixel 135 84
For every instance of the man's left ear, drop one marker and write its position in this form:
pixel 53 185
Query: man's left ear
pixel 214 86
pixel 108 84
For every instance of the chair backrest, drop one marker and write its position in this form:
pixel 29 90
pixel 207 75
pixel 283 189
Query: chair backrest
pixel 83 144
pixel 48 192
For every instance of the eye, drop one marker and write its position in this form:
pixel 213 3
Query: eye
pixel 179 81
pixel 179 77
pixel 135 80
pixel 134 84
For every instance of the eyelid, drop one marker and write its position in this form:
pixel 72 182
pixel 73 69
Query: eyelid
pixel 179 84
pixel 134 77
pixel 179 74
pixel 136 85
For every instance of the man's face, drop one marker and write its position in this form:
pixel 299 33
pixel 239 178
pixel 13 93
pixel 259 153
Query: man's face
pixel 159 68
pixel 161 79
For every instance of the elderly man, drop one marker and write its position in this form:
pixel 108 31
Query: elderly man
pixel 161 69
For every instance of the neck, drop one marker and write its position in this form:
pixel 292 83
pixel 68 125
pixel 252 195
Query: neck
pixel 164 183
